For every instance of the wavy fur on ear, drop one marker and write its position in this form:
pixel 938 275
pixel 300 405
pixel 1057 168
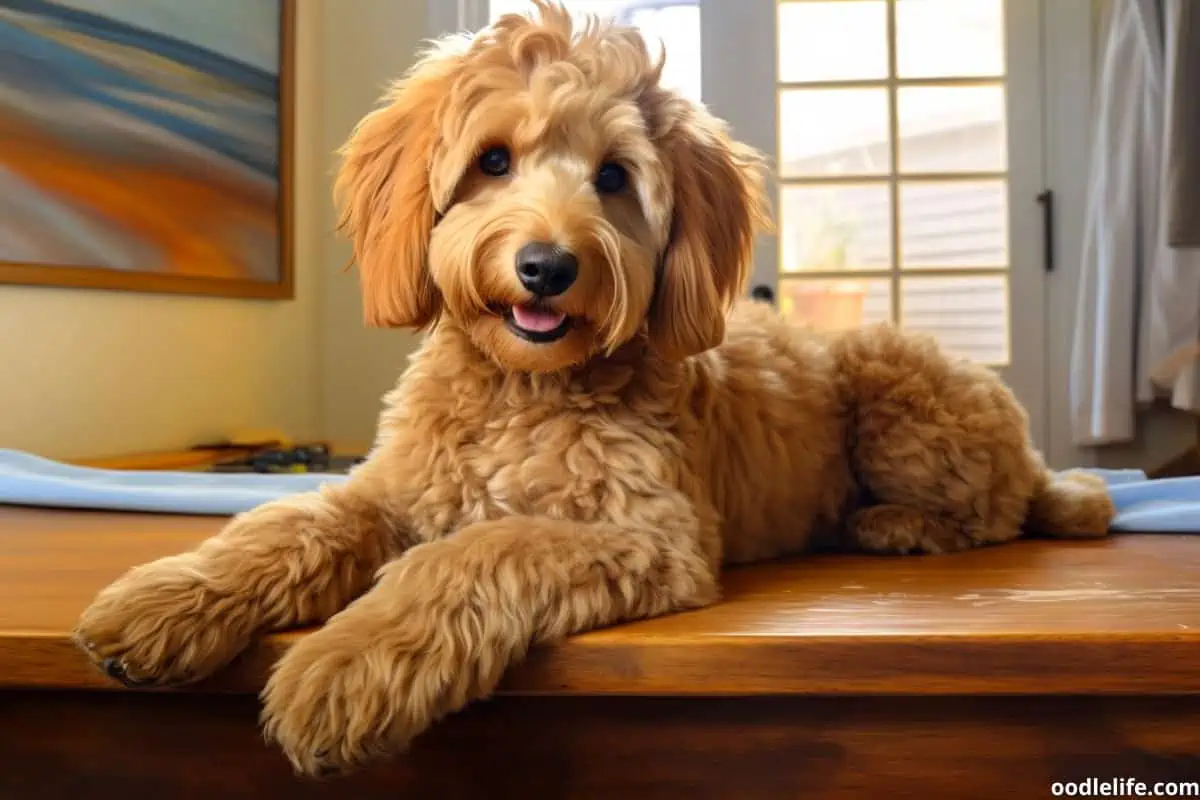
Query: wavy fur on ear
pixel 385 202
pixel 720 206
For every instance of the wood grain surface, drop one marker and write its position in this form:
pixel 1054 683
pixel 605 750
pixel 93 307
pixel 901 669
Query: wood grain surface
pixel 67 745
pixel 1120 616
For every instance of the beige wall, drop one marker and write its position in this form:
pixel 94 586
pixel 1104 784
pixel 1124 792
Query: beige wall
pixel 367 44
pixel 87 373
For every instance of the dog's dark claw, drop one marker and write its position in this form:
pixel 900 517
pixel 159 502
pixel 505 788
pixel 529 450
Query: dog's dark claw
pixel 325 769
pixel 115 669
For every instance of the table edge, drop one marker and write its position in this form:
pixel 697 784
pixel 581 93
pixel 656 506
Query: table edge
pixel 892 664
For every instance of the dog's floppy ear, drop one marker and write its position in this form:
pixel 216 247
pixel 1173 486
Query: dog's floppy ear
pixel 385 203
pixel 720 206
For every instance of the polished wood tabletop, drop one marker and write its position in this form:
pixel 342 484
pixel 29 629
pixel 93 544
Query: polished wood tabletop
pixel 1117 616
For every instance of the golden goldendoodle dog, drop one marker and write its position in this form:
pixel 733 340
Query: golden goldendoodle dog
pixel 593 425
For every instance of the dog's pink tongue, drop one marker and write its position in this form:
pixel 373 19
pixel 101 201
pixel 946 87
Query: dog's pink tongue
pixel 539 320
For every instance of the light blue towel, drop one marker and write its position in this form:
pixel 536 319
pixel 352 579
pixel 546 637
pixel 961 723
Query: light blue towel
pixel 32 481
pixel 1150 506
pixel 1164 505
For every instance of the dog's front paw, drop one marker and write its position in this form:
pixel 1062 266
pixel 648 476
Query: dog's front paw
pixel 348 694
pixel 161 624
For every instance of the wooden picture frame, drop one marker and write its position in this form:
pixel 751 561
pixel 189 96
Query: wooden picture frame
pixel 265 235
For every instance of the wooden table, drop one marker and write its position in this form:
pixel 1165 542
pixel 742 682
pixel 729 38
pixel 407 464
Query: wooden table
pixel 986 674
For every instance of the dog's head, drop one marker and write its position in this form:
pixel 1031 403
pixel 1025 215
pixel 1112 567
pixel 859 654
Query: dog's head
pixel 535 184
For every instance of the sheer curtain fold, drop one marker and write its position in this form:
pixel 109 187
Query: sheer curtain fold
pixel 1137 325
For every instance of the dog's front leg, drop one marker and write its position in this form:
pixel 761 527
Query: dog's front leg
pixel 445 620
pixel 293 561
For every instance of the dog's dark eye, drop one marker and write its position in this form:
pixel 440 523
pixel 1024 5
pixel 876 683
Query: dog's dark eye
pixel 611 178
pixel 495 161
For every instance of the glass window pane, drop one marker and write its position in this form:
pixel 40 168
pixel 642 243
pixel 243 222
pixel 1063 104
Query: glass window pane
pixel 952 129
pixel 969 316
pixel 835 305
pixel 835 227
pixel 833 132
pixel 949 38
pixel 839 40
pixel 953 224
pixel 675 24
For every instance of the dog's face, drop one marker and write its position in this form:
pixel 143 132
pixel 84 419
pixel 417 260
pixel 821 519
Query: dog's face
pixel 535 184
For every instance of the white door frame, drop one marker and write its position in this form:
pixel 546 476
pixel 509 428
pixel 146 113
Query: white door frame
pixel 1069 47
pixel 454 16
pixel 1028 178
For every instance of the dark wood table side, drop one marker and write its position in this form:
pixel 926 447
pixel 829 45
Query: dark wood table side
pixel 123 745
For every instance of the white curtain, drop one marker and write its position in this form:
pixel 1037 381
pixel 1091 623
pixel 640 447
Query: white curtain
pixel 1137 325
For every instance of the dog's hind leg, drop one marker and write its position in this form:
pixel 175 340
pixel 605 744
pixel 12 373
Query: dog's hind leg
pixel 940 446
pixel 895 528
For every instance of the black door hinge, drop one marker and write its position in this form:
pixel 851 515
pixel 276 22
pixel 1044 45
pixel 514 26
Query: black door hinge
pixel 1046 200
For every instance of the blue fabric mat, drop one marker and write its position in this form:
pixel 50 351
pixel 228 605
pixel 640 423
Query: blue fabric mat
pixel 1164 505
pixel 32 481
pixel 1168 506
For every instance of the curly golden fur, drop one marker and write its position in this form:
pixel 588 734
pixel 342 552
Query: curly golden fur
pixel 524 488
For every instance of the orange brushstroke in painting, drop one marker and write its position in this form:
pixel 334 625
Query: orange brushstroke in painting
pixel 176 212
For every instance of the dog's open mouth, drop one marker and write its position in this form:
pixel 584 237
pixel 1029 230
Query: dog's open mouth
pixel 537 323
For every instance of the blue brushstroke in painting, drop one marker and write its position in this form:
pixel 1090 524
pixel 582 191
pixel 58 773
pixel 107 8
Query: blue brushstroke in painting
pixel 24 54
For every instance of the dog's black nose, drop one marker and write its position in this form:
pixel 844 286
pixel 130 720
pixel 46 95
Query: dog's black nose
pixel 546 269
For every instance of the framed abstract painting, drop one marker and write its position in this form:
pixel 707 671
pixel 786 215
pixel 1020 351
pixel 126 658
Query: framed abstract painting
pixel 146 145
